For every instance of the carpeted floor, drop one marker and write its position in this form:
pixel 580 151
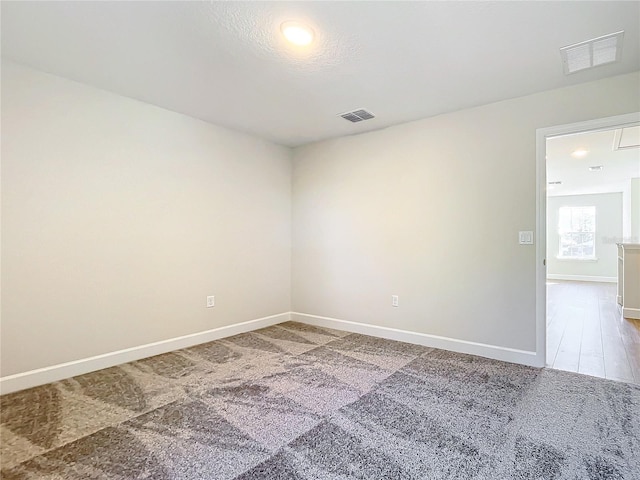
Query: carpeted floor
pixel 299 402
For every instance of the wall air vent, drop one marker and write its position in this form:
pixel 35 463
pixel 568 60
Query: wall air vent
pixel 592 53
pixel 357 115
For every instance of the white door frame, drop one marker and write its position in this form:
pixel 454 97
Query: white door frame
pixel 542 134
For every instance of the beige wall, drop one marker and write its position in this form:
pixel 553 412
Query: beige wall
pixel 608 232
pixel 119 218
pixel 430 211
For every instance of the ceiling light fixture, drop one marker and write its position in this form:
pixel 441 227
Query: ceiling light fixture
pixel 297 33
pixel 579 153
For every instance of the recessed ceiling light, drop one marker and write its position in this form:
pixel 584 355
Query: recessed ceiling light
pixel 297 33
pixel 596 168
pixel 579 153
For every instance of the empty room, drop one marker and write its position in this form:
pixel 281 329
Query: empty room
pixel 593 224
pixel 319 240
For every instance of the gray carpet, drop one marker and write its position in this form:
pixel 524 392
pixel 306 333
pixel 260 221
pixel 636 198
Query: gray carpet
pixel 299 402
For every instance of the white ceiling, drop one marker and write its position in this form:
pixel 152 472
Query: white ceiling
pixel 619 166
pixel 226 62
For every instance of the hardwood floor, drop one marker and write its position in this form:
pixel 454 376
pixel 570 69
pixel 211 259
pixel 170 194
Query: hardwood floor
pixel 587 334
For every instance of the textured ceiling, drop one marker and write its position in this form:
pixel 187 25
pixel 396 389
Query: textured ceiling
pixel 619 166
pixel 226 62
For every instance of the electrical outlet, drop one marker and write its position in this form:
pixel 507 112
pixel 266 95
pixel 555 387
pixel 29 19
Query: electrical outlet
pixel 211 301
pixel 394 301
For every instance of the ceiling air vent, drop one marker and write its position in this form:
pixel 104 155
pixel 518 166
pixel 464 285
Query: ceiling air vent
pixel 592 53
pixel 357 115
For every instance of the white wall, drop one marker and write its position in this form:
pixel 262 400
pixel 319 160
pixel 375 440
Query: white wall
pixel 635 210
pixel 430 211
pixel 118 218
pixel 608 232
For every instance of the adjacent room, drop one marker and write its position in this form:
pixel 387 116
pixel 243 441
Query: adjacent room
pixel 593 206
pixel 319 240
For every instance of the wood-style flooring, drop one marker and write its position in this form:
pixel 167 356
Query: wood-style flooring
pixel 587 334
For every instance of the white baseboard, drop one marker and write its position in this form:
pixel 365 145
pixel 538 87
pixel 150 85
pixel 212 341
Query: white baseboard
pixel 581 278
pixel 41 376
pixel 631 313
pixel 512 355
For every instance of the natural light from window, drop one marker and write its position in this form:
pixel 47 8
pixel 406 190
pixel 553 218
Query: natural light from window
pixel 577 231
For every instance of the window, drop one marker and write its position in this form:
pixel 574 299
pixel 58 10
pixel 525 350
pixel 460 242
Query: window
pixel 577 231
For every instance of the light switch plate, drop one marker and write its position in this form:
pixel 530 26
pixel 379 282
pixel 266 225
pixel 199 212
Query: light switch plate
pixel 525 238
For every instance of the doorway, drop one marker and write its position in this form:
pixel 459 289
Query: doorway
pixel 588 177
